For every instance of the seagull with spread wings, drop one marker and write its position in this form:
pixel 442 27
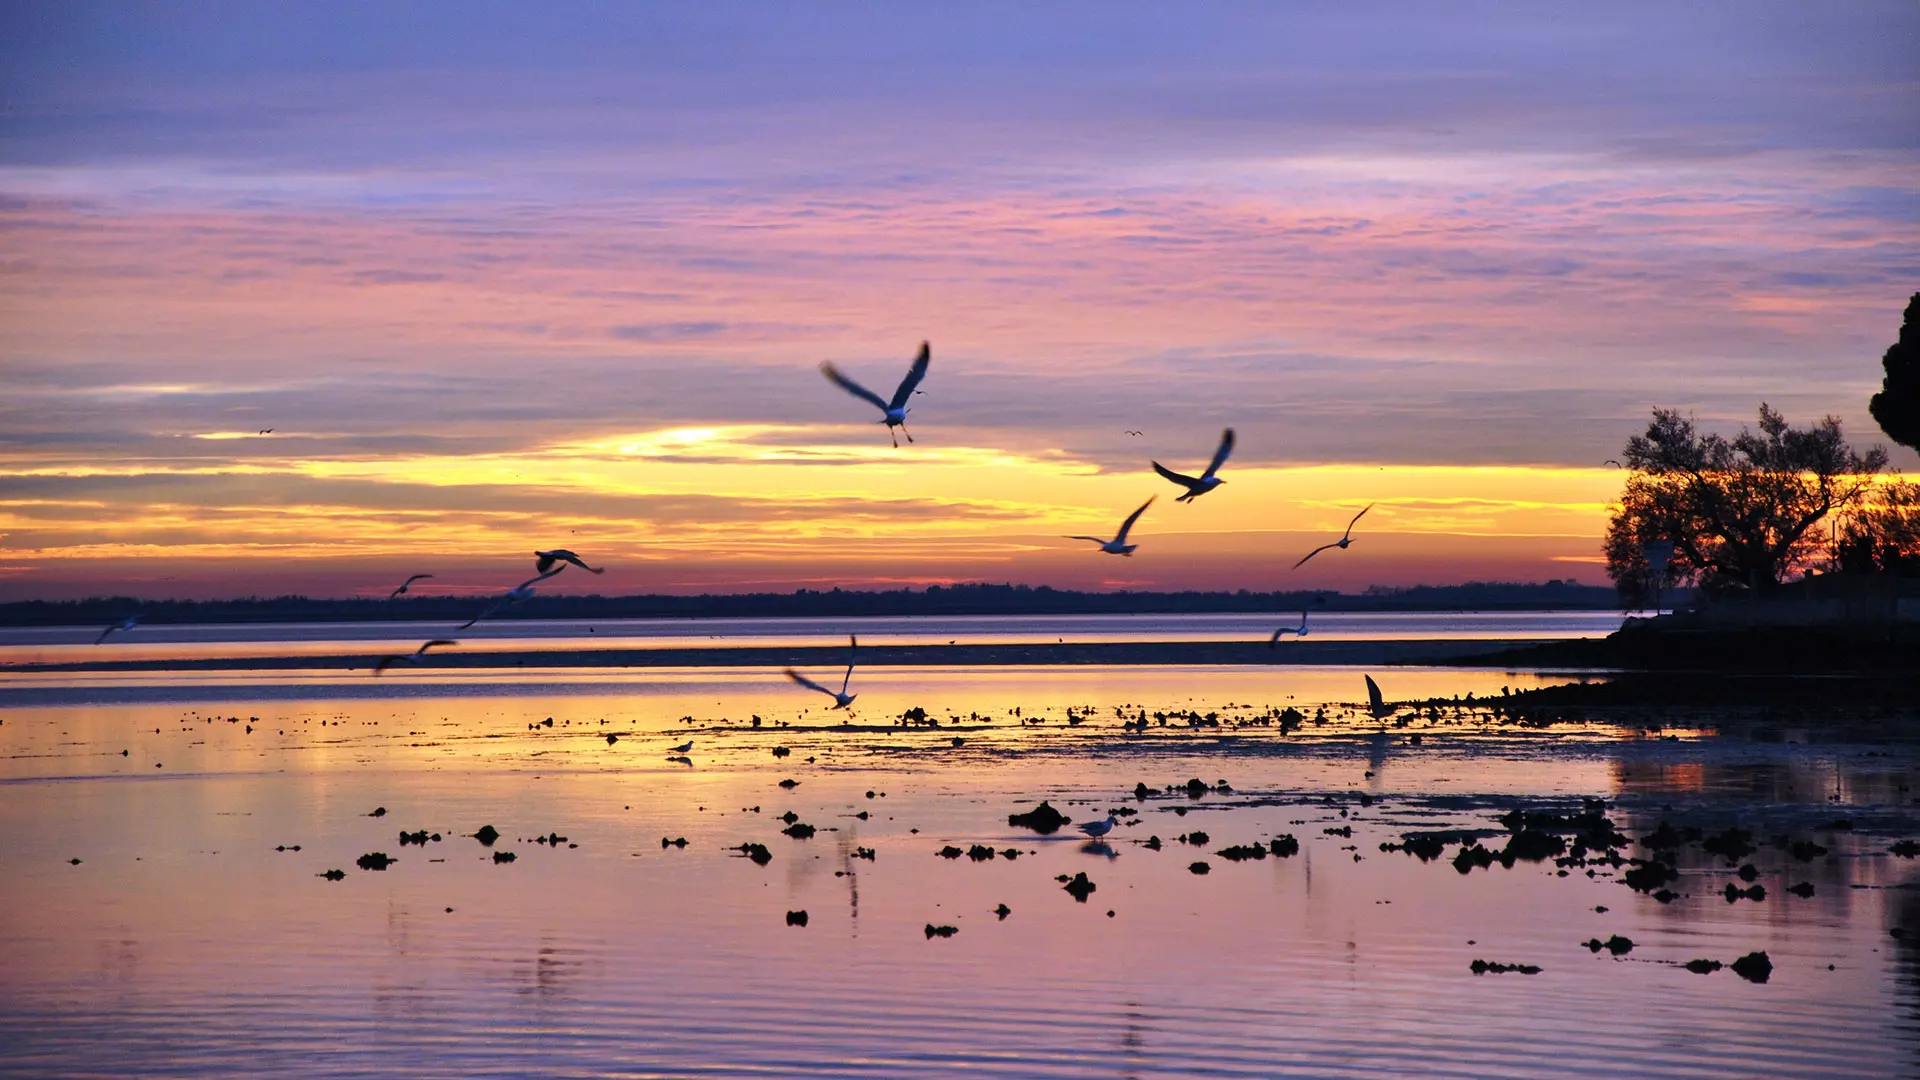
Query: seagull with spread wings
pixel 1118 545
pixel 409 658
pixel 127 623
pixel 562 555
pixel 895 410
pixel 402 590
pixel 1345 539
pixel 518 594
pixel 1376 705
pixel 841 699
pixel 1300 630
pixel 1206 481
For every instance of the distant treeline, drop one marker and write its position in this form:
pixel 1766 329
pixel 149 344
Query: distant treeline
pixel 812 603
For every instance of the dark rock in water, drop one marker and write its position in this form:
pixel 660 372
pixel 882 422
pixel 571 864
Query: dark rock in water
pixel 1490 967
pixel 1142 791
pixel 757 852
pixel 552 839
pixel 1805 850
pixel 1413 740
pixel 612 738
pixel 1665 896
pixel 1285 847
pixel 1667 838
pixel 1344 830
pixel 378 811
pixel 789 784
pixel 941 931
pixel 1534 845
pixel 375 860
pixel 863 853
pixel 334 875
pixel 75 861
pixel 1647 875
pixel 789 817
pixel 1195 838
pixel 1080 887
pixel 679 842
pixel 1748 872
pixel 1242 852
pixel 1425 846
pixel 1475 857
pixel 781 751
pixel 1010 854
pixel 1703 967
pixel 1200 867
pixel 487 835
pixel 1153 843
pixel 796 918
pixel 949 852
pixel 1042 819
pixel 1898 933
pixel 1802 890
pixel 1836 825
pixel 503 856
pixel 1754 967
pixel 799 831
pixel 1617 945
pixel 1906 849
pixel 981 853
pixel 1733 844
pixel 419 838
pixel 1003 911
pixel 1196 787
pixel 1735 892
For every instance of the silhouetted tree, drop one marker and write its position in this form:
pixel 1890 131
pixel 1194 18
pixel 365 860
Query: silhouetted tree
pixel 1897 406
pixel 1883 534
pixel 1739 512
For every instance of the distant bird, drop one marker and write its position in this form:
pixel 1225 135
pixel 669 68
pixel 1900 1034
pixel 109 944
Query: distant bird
pixel 127 623
pixel 1132 432
pixel 1098 829
pixel 410 658
pixel 266 431
pixel 895 410
pixel 1376 706
pixel 1345 539
pixel 518 594
pixel 559 555
pixel 682 748
pixel 1206 481
pixel 841 699
pixel 402 590
pixel 1118 545
pixel 1300 631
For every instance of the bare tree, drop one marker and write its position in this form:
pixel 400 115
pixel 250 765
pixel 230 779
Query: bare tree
pixel 1882 534
pixel 1740 512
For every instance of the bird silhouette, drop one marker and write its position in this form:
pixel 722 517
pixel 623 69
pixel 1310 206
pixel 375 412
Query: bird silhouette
pixel 1098 829
pixel 127 623
pixel 896 410
pixel 841 699
pixel 1377 706
pixel 401 591
pixel 413 657
pixel 1206 481
pixel 1118 545
pixel 558 555
pixel 1345 539
pixel 518 594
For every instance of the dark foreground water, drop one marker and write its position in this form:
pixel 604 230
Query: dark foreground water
pixel 197 936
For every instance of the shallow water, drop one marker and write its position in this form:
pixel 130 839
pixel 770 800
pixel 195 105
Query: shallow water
pixel 184 943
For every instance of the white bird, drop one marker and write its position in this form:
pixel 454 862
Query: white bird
pixel 410 658
pixel 1098 829
pixel 1206 481
pixel 518 594
pixel 682 748
pixel 1377 706
pixel 127 623
pixel 548 558
pixel 401 591
pixel 1118 545
pixel 841 699
pixel 1345 539
pixel 1300 630
pixel 895 410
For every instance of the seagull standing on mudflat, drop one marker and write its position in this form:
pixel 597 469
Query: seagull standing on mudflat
pixel 402 590
pixel 1118 545
pixel 1345 539
pixel 127 623
pixel 1206 481
pixel 841 699
pixel 410 658
pixel 560 555
pixel 1098 829
pixel 518 594
pixel 895 410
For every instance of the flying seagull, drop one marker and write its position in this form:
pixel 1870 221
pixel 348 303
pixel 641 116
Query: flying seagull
pixel 518 594
pixel 548 558
pixel 1345 539
pixel 1207 481
pixel 1118 545
pixel 1376 706
pixel 896 410
pixel 841 699
pixel 1300 630
pixel 402 590
pixel 410 658
pixel 127 623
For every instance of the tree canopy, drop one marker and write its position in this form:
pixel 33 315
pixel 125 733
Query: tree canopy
pixel 1738 512
pixel 1897 406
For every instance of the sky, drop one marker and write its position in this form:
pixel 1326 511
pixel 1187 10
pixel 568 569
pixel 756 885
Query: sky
pixel 501 277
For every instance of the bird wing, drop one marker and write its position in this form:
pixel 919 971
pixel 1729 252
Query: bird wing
pixel 914 374
pixel 1183 481
pixel 833 375
pixel 1131 518
pixel 385 663
pixel 414 578
pixel 488 610
pixel 1275 639
pixel 1312 553
pixel 1355 521
pixel 422 650
pixel 104 633
pixel 853 643
pixel 1220 455
pixel 1095 539
pixel 1374 701
pixel 533 580
pixel 808 683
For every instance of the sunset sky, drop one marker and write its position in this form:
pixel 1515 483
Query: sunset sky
pixel 505 276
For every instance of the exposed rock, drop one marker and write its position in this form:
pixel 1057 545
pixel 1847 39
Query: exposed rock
pixel 799 831
pixel 796 918
pixel 1284 847
pixel 1754 967
pixel 1491 967
pixel 1043 819
pixel 1702 967
pixel 1080 887
pixel 487 835
pixel 941 931
pixel 1200 867
pixel 375 860
pixel 757 852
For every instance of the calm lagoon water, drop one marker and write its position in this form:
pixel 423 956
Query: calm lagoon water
pixel 197 937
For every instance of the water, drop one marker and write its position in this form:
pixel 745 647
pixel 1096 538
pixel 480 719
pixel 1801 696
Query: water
pixel 185 943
